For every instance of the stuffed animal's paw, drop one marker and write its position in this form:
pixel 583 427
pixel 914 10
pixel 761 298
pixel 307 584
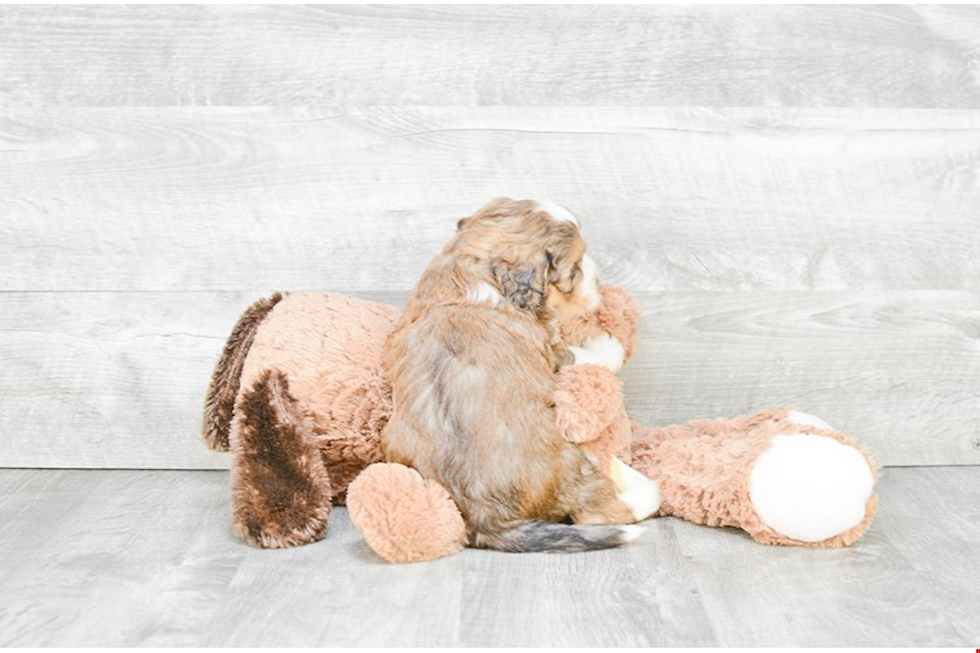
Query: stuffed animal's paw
pixel 618 317
pixel 404 517
pixel 587 400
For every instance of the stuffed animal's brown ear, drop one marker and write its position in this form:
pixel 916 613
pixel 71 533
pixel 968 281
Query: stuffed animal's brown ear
pixel 220 400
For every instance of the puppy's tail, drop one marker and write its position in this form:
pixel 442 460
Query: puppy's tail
pixel 540 536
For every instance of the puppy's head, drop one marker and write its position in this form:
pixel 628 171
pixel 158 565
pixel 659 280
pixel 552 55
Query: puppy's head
pixel 534 255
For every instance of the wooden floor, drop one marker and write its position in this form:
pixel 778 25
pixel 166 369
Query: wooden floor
pixel 92 557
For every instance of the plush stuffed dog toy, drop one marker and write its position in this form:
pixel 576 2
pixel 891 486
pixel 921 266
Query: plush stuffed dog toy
pixel 300 396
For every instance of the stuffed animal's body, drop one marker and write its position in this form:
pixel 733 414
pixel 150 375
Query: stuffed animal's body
pixel 300 396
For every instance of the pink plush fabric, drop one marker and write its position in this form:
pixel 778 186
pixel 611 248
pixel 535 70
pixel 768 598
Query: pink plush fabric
pixel 587 401
pixel 589 411
pixel 703 469
pixel 618 315
pixel 404 517
pixel 329 348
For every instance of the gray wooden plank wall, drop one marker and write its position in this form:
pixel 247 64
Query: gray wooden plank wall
pixel 792 192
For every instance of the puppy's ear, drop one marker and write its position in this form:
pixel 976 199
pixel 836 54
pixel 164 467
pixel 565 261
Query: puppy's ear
pixel 563 259
pixel 523 284
pixel 462 223
pixel 562 271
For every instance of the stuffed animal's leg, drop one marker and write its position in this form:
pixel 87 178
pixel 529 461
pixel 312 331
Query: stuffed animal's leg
pixel 783 476
pixel 280 489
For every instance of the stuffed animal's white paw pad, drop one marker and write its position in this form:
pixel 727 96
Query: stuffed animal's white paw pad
pixel 810 487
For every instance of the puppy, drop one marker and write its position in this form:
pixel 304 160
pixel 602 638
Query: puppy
pixel 473 363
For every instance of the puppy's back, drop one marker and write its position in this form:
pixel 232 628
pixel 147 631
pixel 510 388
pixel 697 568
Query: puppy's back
pixel 473 409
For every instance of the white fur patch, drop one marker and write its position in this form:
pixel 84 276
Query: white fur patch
pixel 588 288
pixel 625 476
pixel 484 293
pixel 810 487
pixel 643 499
pixel 557 212
pixel 806 419
pixel 640 493
pixel 631 532
pixel 603 350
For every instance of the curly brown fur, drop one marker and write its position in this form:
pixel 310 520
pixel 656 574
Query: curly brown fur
pixel 473 364
pixel 279 484
pixel 220 401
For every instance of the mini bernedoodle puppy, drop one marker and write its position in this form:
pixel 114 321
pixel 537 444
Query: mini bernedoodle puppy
pixel 473 362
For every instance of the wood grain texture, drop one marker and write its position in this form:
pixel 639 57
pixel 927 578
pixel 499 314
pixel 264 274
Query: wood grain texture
pixel 767 596
pixel 133 558
pixel 793 192
pixel 899 370
pixel 954 539
pixel 484 55
pixel 118 379
pixel 672 199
